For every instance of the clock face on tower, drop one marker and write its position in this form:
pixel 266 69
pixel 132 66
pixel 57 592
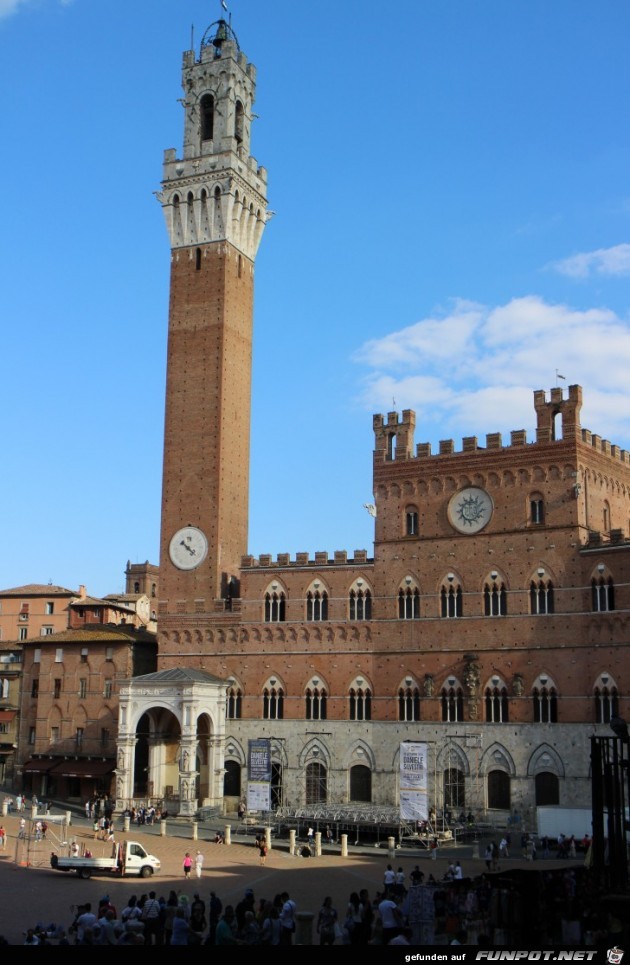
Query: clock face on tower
pixel 188 548
pixel 470 510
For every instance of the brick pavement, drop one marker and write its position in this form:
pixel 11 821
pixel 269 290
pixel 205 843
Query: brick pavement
pixel 37 893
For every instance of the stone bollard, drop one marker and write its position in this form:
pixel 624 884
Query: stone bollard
pixel 318 844
pixel 227 834
pixel 391 847
pixel 163 828
pixel 344 845
pixel 195 830
pixel 268 838
pixel 5 808
pixel 33 812
pixel 68 818
pixel 126 822
pixel 475 848
pixel 304 927
pixel 292 841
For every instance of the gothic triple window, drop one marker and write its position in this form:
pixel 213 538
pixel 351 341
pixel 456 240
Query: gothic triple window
pixel 606 697
pixel 315 699
pixel 359 602
pixel 408 703
pixel 602 594
pixel 409 600
pixel 316 603
pixel 494 597
pixel 360 703
pixel 273 703
pixel 541 596
pixel 451 599
pixel 275 605
pixel 233 703
pixel 545 701
pixel 452 703
pixel 497 704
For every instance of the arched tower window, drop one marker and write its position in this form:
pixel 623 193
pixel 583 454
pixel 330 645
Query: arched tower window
pixel 206 110
pixel 359 601
pixel 275 604
pixel 497 702
pixel 273 703
pixel 316 603
pixel 360 783
pixel 606 697
pixel 451 598
pixel 494 596
pixel 452 702
pixel 409 600
pixel 136 587
pixel 238 122
pixel 541 596
pixel 545 701
pixel 411 521
pixel 408 702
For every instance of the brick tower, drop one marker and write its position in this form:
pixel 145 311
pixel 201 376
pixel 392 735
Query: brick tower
pixel 215 208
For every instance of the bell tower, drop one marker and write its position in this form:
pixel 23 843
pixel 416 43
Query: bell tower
pixel 214 204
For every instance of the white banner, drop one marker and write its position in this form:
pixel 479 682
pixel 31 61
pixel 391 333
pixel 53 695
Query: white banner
pixel 413 782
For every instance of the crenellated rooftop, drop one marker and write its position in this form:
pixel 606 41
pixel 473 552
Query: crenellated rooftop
pixel 339 558
pixel 394 436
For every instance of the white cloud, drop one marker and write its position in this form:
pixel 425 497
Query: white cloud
pixel 602 261
pixel 9 7
pixel 474 369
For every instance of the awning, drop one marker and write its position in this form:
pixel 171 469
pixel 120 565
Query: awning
pixel 72 768
pixel 6 715
pixel 38 767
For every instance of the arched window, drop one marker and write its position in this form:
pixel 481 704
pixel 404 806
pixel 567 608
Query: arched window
pixel 275 606
pixel 238 122
pixel 606 517
pixel 411 521
pixel 547 789
pixel 315 703
pixel 451 599
pixel 494 597
pixel 606 699
pixel 273 703
pixel 408 703
pixel 541 597
pixel 198 259
pixel 602 594
pixel 452 704
pixel 454 784
pixel 359 602
pixel 361 784
pixel 316 783
pixel 206 110
pixel 499 790
pixel 233 704
pixel 232 779
pixel 316 604
pixel 497 705
pixel 409 601
pixel 545 700
pixel 153 590
pixel 536 509
pixel 360 703
pixel 136 587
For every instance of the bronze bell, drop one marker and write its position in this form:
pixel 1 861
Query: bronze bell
pixel 221 34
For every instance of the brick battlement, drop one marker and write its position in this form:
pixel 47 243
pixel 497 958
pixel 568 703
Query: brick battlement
pixel 339 558
pixel 394 435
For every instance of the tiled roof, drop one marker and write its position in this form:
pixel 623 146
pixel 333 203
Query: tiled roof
pixel 39 589
pixel 102 631
pixel 179 675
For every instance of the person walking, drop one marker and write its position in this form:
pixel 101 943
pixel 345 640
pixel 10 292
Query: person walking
pixel 188 861
pixel 198 863
pixel 263 851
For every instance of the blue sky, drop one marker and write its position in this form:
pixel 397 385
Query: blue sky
pixel 453 227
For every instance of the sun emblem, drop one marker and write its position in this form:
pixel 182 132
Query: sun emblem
pixel 471 510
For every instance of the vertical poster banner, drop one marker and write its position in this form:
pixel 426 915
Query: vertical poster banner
pixel 259 775
pixel 413 781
